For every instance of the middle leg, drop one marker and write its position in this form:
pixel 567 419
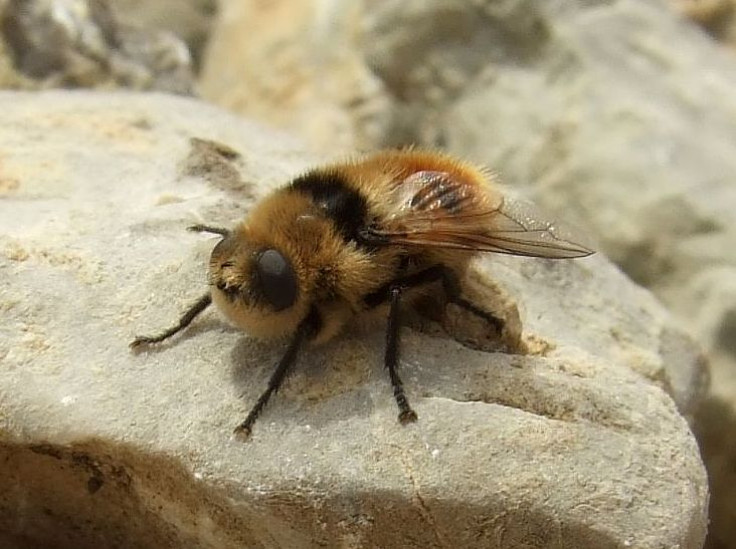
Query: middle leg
pixel 392 292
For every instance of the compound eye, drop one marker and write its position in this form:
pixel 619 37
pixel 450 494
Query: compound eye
pixel 276 279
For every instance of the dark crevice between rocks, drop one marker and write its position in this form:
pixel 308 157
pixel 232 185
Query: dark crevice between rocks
pixel 715 425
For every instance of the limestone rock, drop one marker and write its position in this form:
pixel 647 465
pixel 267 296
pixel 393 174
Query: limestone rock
pixel 617 113
pixel 576 442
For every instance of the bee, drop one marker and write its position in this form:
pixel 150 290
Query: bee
pixel 363 238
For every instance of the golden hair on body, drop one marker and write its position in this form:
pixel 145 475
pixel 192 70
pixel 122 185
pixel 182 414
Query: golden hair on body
pixel 359 238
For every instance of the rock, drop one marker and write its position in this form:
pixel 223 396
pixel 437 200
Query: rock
pixel 189 20
pixel 80 43
pixel 575 442
pixel 619 114
pixel 277 61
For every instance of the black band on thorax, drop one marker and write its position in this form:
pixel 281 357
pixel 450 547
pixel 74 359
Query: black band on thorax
pixel 345 206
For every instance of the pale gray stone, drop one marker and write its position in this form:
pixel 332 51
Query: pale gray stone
pixel 577 442
pixel 616 113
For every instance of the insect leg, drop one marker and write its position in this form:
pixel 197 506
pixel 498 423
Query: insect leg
pixel 452 291
pixel 406 414
pixel 306 330
pixel 392 292
pixel 208 229
pixel 186 319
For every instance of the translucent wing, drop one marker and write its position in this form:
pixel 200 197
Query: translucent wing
pixel 436 209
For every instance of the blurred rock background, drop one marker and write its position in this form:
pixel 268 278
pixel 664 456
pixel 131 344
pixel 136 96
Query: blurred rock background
pixel 619 113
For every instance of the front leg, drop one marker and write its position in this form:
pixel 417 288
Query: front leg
pixel 306 330
pixel 193 311
pixel 392 292
pixel 186 319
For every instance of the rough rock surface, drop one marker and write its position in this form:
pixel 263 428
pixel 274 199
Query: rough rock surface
pixel 577 442
pixel 619 113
